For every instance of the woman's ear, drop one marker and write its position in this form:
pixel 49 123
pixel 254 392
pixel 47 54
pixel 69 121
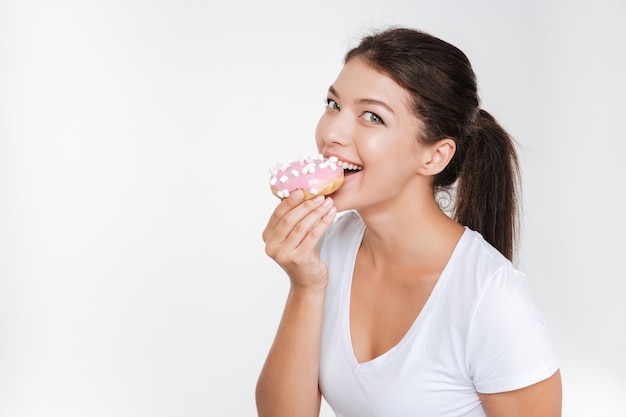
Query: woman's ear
pixel 437 156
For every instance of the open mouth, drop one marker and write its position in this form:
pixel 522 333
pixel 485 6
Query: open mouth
pixel 349 168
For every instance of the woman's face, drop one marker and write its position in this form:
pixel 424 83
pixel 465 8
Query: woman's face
pixel 368 123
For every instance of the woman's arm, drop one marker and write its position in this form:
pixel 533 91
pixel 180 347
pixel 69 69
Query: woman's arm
pixel 288 383
pixel 542 399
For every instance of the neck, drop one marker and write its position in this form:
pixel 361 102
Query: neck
pixel 409 235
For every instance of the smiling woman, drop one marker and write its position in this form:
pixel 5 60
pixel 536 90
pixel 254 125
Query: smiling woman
pixel 396 308
pixel 130 135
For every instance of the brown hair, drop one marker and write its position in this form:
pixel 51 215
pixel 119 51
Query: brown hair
pixel 484 172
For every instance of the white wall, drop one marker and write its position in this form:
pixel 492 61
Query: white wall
pixel 135 138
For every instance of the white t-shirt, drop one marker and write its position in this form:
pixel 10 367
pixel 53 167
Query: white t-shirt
pixel 478 332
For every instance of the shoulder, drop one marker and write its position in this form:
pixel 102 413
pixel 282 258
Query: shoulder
pixel 480 282
pixel 479 266
pixel 499 288
pixel 509 344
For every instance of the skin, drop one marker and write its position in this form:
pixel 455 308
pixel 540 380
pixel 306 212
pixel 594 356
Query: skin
pixel 406 245
pixel 288 384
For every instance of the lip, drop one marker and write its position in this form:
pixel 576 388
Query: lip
pixel 340 158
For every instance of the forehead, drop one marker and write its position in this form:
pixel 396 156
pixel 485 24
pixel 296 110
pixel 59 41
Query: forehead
pixel 359 80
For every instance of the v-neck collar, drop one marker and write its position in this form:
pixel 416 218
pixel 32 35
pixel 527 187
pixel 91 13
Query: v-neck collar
pixel 431 302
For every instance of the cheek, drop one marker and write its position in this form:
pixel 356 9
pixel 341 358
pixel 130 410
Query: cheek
pixel 318 134
pixel 394 155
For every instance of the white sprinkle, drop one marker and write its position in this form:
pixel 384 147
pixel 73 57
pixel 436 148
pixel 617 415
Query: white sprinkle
pixel 283 179
pixel 285 193
pixel 280 194
pixel 313 190
pixel 333 159
pixel 273 180
pixel 295 172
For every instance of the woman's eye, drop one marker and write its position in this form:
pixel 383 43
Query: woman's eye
pixel 372 117
pixel 332 104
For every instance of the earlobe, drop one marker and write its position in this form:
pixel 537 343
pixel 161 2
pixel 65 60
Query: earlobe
pixel 439 156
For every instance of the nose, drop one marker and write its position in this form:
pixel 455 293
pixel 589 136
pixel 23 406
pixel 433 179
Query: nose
pixel 333 130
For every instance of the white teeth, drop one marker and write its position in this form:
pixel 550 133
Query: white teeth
pixel 348 166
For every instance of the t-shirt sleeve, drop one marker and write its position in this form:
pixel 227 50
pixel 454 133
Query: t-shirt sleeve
pixel 509 344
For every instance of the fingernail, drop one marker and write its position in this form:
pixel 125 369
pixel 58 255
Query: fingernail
pixel 318 198
pixel 297 195
pixel 328 202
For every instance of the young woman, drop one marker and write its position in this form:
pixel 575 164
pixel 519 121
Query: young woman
pixel 395 307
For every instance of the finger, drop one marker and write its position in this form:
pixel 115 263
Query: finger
pixel 299 248
pixel 294 217
pixel 286 205
pixel 317 226
pixel 282 241
pixel 302 230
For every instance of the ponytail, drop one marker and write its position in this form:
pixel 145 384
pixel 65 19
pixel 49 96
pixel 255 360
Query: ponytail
pixel 488 186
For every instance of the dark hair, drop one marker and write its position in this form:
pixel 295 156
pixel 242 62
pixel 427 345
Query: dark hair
pixel 483 173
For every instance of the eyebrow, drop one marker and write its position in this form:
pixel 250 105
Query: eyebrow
pixel 382 104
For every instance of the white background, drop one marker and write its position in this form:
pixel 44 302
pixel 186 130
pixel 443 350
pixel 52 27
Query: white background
pixel 135 138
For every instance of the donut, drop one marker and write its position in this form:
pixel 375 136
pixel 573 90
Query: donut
pixel 314 175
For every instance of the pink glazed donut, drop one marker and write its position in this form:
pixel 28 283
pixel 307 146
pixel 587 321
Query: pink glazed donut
pixel 314 175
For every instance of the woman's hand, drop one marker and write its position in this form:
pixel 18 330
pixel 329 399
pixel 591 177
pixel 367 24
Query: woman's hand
pixel 292 234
